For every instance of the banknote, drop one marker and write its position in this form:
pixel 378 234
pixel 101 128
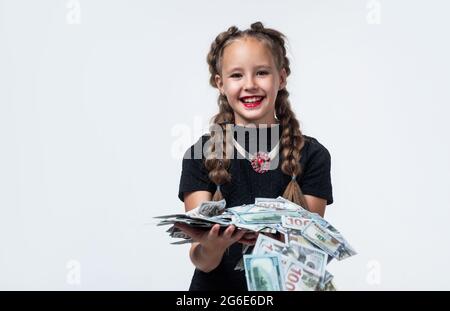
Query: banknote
pixel 326 281
pixel 265 244
pixel 305 272
pixel 250 227
pixel 291 205
pixel 193 222
pixel 263 272
pixel 246 249
pixel 268 203
pixel 306 241
pixel 296 223
pixel 321 238
pixel 172 216
pixel 298 277
pixel 313 258
pixel 241 208
pixel 177 233
pixel 208 209
pixel 335 246
pixel 263 217
pixel 328 287
pixel 185 241
pixel 296 235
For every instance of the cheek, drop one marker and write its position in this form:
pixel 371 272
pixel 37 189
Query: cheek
pixel 232 89
pixel 270 86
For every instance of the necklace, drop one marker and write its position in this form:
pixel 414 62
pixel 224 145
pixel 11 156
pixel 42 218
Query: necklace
pixel 260 161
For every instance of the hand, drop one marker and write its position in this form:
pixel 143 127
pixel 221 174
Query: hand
pixel 213 239
pixel 249 238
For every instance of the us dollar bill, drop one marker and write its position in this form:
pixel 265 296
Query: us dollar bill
pixel 327 242
pixel 263 272
pixel 313 258
pixel 299 277
pixel 293 222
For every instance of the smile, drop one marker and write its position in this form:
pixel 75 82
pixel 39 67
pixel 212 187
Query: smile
pixel 251 101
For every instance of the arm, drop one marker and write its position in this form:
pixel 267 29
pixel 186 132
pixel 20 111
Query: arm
pixel 315 204
pixel 206 253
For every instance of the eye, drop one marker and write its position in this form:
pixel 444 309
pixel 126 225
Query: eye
pixel 235 75
pixel 263 72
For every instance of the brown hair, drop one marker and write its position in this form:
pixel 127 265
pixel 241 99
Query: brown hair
pixel 291 141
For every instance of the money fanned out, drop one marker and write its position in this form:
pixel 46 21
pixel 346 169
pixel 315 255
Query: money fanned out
pixel 297 264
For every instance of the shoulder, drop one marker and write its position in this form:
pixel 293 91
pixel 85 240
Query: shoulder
pixel 316 170
pixel 313 149
pixel 194 175
pixel 195 151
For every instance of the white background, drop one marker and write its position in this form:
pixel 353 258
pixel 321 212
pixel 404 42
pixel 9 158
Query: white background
pixel 97 108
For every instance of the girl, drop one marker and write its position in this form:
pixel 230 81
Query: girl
pixel 250 69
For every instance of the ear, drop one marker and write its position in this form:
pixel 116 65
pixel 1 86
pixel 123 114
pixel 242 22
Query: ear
pixel 219 83
pixel 283 79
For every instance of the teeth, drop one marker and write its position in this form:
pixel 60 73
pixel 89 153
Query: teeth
pixel 252 99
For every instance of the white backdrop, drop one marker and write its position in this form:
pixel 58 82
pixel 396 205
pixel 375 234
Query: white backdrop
pixel 99 99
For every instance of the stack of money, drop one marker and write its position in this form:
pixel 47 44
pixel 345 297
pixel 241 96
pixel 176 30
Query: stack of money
pixel 297 263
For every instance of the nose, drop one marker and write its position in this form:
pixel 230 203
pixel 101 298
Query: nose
pixel 249 84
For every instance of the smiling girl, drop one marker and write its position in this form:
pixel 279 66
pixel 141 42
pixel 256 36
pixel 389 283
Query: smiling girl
pixel 270 156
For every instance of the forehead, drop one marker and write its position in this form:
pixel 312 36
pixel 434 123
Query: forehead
pixel 246 52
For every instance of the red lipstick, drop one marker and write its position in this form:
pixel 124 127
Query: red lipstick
pixel 252 104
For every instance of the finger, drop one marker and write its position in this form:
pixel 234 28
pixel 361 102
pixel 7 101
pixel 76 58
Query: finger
pixel 214 232
pixel 246 239
pixel 238 235
pixel 250 235
pixel 228 232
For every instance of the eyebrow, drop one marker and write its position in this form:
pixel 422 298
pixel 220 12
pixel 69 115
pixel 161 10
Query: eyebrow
pixel 258 67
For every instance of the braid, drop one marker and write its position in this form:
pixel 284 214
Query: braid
pixel 291 143
pixel 217 159
pixel 219 145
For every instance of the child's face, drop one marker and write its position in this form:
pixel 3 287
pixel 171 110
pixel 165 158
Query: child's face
pixel 249 70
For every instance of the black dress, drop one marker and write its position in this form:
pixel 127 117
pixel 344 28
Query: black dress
pixel 246 185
